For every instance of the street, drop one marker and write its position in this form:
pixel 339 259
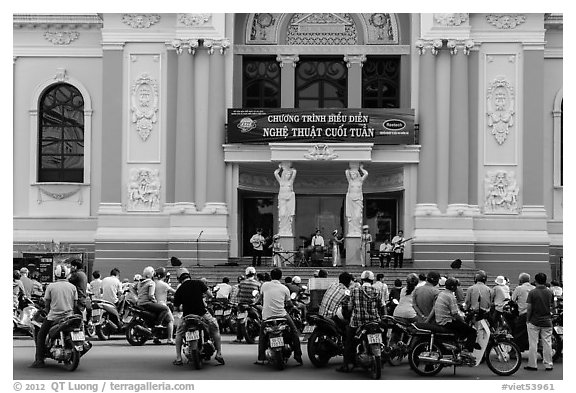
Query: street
pixel 117 360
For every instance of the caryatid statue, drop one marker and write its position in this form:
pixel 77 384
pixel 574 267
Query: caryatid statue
pixel 354 198
pixel 285 176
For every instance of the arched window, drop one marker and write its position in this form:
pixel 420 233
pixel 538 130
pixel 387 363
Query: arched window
pixel 321 83
pixel 61 135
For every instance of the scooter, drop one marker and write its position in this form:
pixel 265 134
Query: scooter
pixel 197 344
pixel 248 319
pixel 278 339
pixel 142 327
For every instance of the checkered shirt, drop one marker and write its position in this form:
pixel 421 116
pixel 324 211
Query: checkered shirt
pixel 332 299
pixel 365 302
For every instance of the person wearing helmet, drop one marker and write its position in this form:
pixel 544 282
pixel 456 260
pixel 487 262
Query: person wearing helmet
pixel 234 290
pixel 479 295
pixel 147 299
pixel 161 292
pixel 26 282
pixel 245 296
pixel 446 314
pixel 366 306
pixel 190 297
pixel 425 296
pixel 111 292
pixel 60 299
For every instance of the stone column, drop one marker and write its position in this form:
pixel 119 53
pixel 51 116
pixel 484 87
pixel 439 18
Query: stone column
pixel 427 203
pixel 201 115
pixel 354 64
pixel 185 130
pixel 216 169
pixel 287 78
pixel 458 156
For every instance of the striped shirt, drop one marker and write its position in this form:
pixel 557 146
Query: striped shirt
pixel 332 299
pixel 245 289
pixel 365 302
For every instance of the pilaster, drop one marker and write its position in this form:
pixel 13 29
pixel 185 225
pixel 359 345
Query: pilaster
pixel 354 64
pixel 287 78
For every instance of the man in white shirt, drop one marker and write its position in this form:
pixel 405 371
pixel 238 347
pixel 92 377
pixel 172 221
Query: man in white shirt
pixel 257 241
pixel 112 290
pixel 223 289
pixel 381 285
pixel 520 296
pixel 274 294
pixel 317 239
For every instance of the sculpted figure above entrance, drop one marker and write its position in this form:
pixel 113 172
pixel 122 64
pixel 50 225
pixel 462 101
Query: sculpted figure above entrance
pixel 354 198
pixel 285 176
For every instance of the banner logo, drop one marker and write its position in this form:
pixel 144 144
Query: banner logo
pixel 246 124
pixel 394 124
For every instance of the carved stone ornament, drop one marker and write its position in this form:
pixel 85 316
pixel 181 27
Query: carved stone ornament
pixel 61 75
pixel 433 45
pixel 144 105
pixel 144 189
pixel 383 24
pixel 322 29
pixel 500 105
pixel 194 19
pixel 58 195
pixel 140 21
pixel 507 21
pixel 501 192
pixel 321 151
pixel 64 37
pixel 450 19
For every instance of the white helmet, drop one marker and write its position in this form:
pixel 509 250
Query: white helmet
pixel 367 275
pixel 148 272
pixel 61 271
pixel 296 280
pixel 137 277
pixel 250 270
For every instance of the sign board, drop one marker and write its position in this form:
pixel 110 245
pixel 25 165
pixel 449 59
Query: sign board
pixel 364 125
pixel 44 263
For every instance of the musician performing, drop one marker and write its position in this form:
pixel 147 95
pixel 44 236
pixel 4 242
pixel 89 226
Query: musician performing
pixel 257 241
pixel 366 239
pixel 337 241
pixel 398 243
pixel 317 245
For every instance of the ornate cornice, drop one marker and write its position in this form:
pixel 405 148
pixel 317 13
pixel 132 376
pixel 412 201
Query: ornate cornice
pixel 287 59
pixel 64 37
pixel 433 45
pixel 140 21
pixel 58 21
pixel 210 44
pixel 456 45
pixel 505 21
pixel 191 45
pixel 354 59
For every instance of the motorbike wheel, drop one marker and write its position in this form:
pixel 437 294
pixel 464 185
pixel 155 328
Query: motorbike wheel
pixel 250 330
pixel 278 360
pixel 100 333
pixel 196 360
pixel 424 368
pixel 557 346
pixel 89 329
pixel 317 358
pixel 73 362
pixel 376 367
pixel 495 360
pixel 133 337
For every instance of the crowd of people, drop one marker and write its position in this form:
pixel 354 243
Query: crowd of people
pixel 350 302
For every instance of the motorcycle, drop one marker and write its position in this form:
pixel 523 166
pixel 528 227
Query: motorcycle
pixel 197 344
pixel 221 309
pixel 248 319
pixel 278 339
pixel 558 328
pixel 368 344
pixel 102 315
pixel 395 352
pixel 22 318
pixel 141 327
pixel 325 341
pixel 294 311
pixel 435 347
pixel 65 342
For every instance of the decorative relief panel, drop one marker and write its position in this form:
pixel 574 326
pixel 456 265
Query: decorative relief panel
pixel 321 29
pixel 321 151
pixel 140 21
pixel 59 196
pixel 382 28
pixel 501 192
pixel 61 37
pixel 505 21
pixel 144 102
pixel 262 28
pixel 194 20
pixel 500 108
pixel 450 19
pixel 144 190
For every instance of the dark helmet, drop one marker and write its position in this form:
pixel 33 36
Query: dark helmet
pixel 480 276
pixel 160 272
pixel 16 275
pixel 76 262
pixel 182 274
pixel 451 283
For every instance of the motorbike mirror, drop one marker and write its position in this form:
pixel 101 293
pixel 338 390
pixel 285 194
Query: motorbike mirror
pixel 293 295
pixel 347 292
pixel 304 287
pixel 395 301
pixel 255 292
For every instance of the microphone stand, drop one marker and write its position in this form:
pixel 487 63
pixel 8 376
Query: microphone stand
pixel 198 248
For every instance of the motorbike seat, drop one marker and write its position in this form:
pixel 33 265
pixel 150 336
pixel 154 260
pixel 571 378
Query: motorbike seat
pixel 143 312
pixel 433 328
pixel 274 320
pixel 69 322
pixel 193 318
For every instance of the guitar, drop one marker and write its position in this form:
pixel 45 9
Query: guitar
pixel 400 244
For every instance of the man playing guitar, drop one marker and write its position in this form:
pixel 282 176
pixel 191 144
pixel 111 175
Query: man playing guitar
pixel 257 242
pixel 398 242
